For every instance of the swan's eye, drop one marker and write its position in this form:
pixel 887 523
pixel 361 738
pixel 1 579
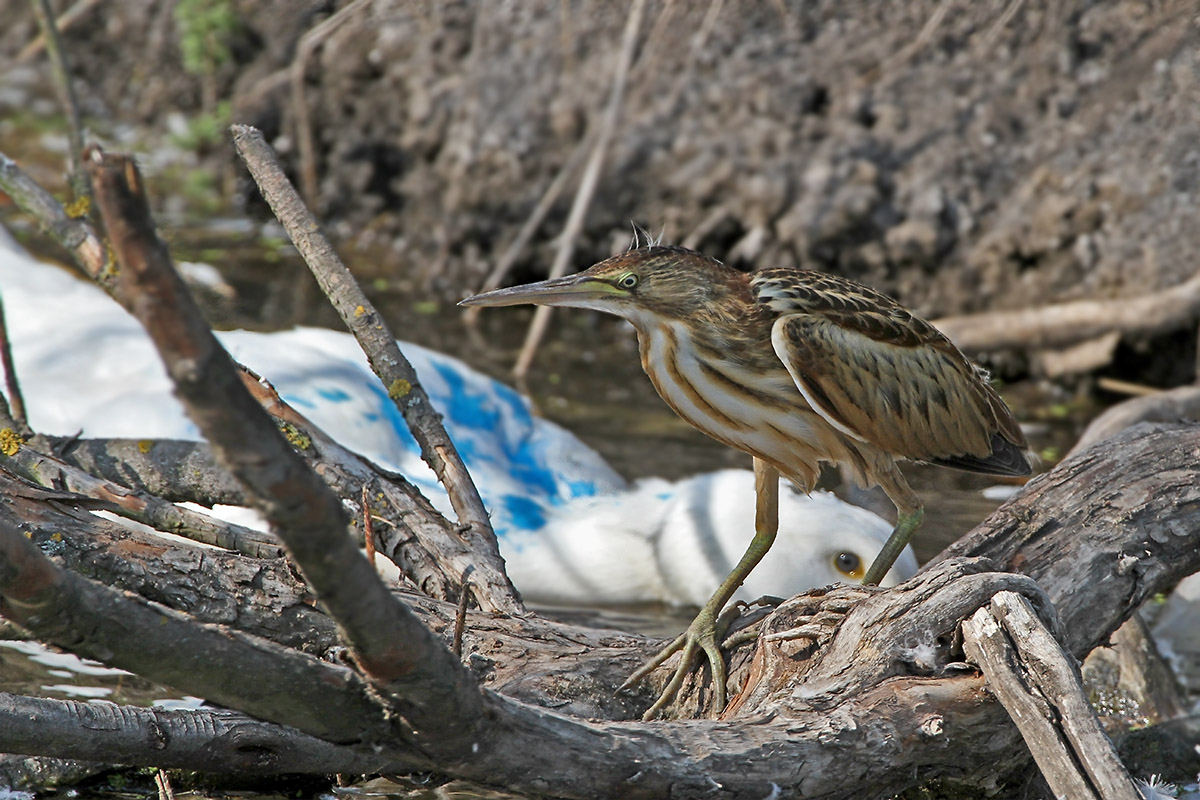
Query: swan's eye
pixel 849 564
pixel 627 281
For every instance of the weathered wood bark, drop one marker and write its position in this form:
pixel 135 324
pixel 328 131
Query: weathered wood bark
pixel 1069 324
pixel 262 596
pixel 1125 516
pixel 887 691
pixel 1040 685
pixel 149 509
pixel 213 740
pixel 267 680
pixel 171 469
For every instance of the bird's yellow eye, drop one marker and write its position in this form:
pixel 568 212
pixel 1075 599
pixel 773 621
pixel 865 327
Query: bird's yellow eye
pixel 628 280
pixel 849 564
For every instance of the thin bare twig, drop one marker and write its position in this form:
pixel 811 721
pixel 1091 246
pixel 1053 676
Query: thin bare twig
pixel 66 95
pixel 993 34
pixel 11 384
pixel 699 40
pixel 64 21
pixel 550 196
pixel 165 791
pixel 547 201
pixel 368 527
pixel 902 56
pixel 72 233
pixel 384 356
pixel 460 618
pixel 643 72
pixel 587 186
pixel 305 148
pixel 1127 387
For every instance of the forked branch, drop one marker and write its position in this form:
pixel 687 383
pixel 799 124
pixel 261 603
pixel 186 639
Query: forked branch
pixel 385 359
pixel 389 644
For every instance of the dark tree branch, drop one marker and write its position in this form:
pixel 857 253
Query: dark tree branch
pixel 426 683
pixel 259 677
pixel 175 470
pixel 208 740
pixel 386 361
pixel 31 462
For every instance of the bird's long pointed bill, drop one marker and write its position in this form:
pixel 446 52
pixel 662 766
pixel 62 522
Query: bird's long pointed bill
pixel 570 290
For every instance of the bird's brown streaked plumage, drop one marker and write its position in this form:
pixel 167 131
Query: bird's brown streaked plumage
pixel 795 368
pixel 882 375
pixel 870 379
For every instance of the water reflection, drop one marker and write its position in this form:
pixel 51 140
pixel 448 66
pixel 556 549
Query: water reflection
pixel 36 669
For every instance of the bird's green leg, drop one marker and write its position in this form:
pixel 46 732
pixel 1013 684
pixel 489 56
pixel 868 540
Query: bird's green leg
pixel 906 524
pixel 702 635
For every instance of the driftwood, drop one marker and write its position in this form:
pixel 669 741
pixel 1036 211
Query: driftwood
pixel 37 465
pixel 170 469
pixel 213 741
pixel 903 686
pixel 1067 325
pixel 1169 406
pixel 846 675
pixel 1040 686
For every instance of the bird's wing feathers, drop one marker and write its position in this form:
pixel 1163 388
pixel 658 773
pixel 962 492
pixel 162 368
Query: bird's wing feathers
pixel 881 375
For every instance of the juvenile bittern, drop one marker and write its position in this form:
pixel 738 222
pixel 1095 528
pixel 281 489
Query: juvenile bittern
pixel 795 368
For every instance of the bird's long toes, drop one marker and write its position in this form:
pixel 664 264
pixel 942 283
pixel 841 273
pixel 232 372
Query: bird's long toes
pixel 656 662
pixel 716 665
pixel 672 688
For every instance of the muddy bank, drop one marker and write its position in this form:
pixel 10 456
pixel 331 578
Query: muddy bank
pixel 961 155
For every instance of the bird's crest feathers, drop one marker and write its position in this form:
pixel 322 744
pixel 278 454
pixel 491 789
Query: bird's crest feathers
pixel 640 234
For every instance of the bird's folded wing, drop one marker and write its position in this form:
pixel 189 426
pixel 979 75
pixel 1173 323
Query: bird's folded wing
pixel 901 387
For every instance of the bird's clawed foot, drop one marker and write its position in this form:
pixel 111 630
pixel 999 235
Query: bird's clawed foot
pixel 702 636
